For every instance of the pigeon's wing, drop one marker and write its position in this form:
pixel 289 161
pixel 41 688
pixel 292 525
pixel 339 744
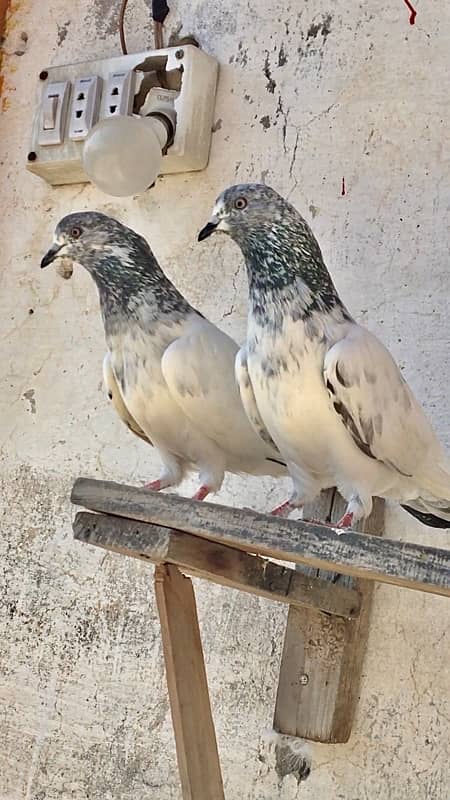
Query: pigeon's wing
pixel 376 404
pixel 198 368
pixel 115 396
pixel 248 398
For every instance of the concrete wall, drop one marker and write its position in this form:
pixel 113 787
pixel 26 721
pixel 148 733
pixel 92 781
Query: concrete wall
pixel 309 93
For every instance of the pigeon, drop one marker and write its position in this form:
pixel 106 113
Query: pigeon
pixel 168 370
pixel 326 390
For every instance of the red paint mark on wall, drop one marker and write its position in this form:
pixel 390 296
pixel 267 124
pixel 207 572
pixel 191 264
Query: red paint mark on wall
pixel 413 14
pixel 343 192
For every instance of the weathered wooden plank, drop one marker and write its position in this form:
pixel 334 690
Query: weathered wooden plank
pixel 322 657
pixel 214 562
pixel 198 759
pixel 404 564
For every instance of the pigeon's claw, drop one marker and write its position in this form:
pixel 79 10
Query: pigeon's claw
pixel 201 493
pixel 155 486
pixel 283 510
pixel 346 521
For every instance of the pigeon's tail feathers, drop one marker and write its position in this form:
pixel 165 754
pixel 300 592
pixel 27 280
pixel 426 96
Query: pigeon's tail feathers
pixel 277 461
pixel 433 506
pixel 426 517
pixel 434 484
pixel 246 465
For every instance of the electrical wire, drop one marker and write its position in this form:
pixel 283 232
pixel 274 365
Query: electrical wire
pixel 160 9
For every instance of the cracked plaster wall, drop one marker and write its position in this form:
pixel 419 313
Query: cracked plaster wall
pixel 309 93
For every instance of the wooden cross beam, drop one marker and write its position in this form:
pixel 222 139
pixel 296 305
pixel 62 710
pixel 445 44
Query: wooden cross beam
pixel 403 564
pixel 215 562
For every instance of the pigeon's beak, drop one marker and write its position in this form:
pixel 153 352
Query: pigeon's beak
pixel 50 255
pixel 209 228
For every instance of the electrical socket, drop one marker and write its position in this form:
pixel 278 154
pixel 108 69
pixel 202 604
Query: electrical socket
pixel 118 95
pixel 85 106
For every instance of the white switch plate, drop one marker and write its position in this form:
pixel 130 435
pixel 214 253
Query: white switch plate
pixel 53 113
pixel 84 107
pixel 194 107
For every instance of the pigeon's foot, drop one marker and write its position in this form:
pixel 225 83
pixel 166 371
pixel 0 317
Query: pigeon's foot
pixel 155 486
pixel 346 521
pixel 201 493
pixel 283 510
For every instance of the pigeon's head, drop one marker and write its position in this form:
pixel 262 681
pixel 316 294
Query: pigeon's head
pixel 95 241
pixel 245 209
pixel 278 245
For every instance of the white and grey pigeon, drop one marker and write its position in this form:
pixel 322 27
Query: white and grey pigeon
pixel 168 370
pixel 326 390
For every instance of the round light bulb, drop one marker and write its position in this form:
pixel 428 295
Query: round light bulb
pixel 123 155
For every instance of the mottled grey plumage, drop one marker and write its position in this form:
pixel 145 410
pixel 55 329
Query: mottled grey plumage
pixel 321 387
pixel 168 370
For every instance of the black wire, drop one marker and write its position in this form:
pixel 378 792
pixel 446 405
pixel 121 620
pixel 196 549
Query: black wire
pixel 160 9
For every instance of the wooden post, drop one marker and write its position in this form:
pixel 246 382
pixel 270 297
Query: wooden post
pixel 323 655
pixel 198 759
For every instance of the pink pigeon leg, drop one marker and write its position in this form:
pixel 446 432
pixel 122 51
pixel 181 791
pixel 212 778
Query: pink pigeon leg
pixel 346 521
pixel 159 484
pixel 201 493
pixel 283 510
pixel 155 486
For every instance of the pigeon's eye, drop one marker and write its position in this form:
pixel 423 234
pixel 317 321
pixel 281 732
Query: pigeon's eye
pixel 75 233
pixel 240 203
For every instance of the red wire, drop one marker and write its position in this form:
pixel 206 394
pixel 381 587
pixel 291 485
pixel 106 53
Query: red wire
pixel 412 16
pixel 123 45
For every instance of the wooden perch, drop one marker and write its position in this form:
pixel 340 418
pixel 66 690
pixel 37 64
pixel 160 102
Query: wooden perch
pixel 404 564
pixel 215 562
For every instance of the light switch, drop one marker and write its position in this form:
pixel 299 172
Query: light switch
pixel 49 108
pixel 52 118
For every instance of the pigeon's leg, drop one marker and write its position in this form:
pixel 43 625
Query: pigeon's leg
pixel 284 509
pixel 171 474
pixel 211 475
pixel 201 493
pixel 304 491
pixel 358 508
pixel 346 521
pixel 161 483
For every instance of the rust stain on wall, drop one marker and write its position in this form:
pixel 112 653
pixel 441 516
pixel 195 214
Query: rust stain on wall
pixel 3 9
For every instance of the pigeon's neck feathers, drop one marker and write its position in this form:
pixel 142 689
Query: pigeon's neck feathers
pixel 284 262
pixel 128 277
